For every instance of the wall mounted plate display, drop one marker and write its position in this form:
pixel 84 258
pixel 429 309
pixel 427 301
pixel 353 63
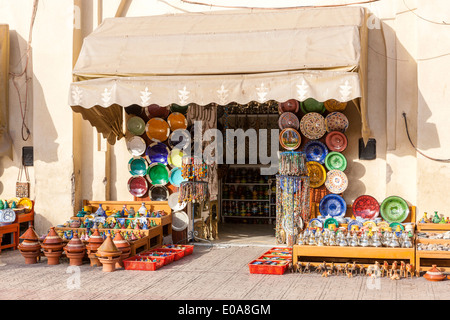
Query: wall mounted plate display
pixel 136 146
pixel 175 177
pixel 312 105
pixel 158 193
pixel 336 182
pixel 336 141
pixel 336 121
pixel 290 139
pixel 317 174
pixel 158 174
pixel 332 205
pixel 174 204
pixel 291 105
pixel 180 139
pixel 335 161
pixel 366 207
pixel 157 129
pixel 137 186
pixel 177 120
pixel 180 220
pixel 312 125
pixel 137 166
pixel 394 209
pixel 155 111
pixel 288 120
pixel 334 105
pixel 136 125
pixel 157 152
pixel 315 151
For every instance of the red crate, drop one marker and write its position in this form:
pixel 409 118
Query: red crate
pixel 169 258
pixel 188 249
pixel 134 263
pixel 277 253
pixel 267 269
pixel 281 249
pixel 178 252
pixel 278 258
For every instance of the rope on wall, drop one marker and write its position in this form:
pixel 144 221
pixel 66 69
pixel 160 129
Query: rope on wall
pixel 420 152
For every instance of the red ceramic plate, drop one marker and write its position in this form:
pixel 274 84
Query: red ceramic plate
pixel 336 141
pixel 155 111
pixel 288 106
pixel 137 186
pixel 366 207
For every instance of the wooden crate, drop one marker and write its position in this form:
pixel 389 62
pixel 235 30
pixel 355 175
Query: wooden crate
pixel 369 255
pixel 426 258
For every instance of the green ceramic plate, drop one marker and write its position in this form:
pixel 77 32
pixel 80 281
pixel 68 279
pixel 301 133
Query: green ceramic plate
pixel 329 221
pixel 394 225
pixel 136 126
pixel 394 209
pixel 335 161
pixel 158 174
pixel 312 105
pixel 137 166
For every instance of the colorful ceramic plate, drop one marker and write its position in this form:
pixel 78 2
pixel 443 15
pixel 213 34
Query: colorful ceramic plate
pixel 177 120
pixel 155 111
pixel 336 121
pixel 157 129
pixel 383 225
pixel 175 158
pixel 7 216
pixel 335 161
pixel 158 174
pixel 175 177
pixel 136 125
pixel 174 204
pixel 334 105
pixel 336 181
pixel 288 106
pixel 312 105
pixel 329 221
pixel 179 139
pixel 137 166
pixel 181 109
pixel 354 223
pixel 312 125
pixel 315 223
pixel 158 193
pixel 288 120
pixel 136 146
pixel 137 186
pixel 369 224
pixel 25 203
pixel 394 226
pixel 332 205
pixel 394 209
pixel 315 151
pixel 180 220
pixel 366 207
pixel 157 152
pixel 317 174
pixel 290 139
pixel 336 141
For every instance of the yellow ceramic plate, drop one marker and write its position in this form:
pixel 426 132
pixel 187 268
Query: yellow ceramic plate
pixel 369 224
pixel 26 203
pixel 316 173
pixel 383 225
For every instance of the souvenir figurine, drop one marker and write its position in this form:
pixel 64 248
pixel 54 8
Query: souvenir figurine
pixel 442 220
pixel 100 211
pixel 142 210
pixel 2 205
pixel 424 218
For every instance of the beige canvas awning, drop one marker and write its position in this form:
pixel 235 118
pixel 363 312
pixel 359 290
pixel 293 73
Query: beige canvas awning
pixel 219 57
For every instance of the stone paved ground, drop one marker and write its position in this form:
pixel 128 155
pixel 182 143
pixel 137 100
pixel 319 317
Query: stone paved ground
pixel 209 273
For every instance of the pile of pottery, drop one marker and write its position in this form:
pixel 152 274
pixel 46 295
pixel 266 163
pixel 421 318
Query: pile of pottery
pixel 432 235
pixel 53 247
pixel 108 254
pixel 95 241
pixel 435 219
pixel 433 247
pixel 30 248
pixel 75 251
pixel 343 238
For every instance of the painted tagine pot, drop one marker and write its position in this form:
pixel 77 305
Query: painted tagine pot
pixel 124 246
pixel 108 254
pixel 75 251
pixel 53 247
pixel 95 241
pixel 30 247
pixel 434 274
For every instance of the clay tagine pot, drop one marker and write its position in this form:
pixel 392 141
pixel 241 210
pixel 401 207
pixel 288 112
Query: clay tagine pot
pixel 95 241
pixel 53 247
pixel 124 246
pixel 108 254
pixel 75 250
pixel 434 274
pixel 30 248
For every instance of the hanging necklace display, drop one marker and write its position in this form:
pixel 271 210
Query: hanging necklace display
pixel 292 163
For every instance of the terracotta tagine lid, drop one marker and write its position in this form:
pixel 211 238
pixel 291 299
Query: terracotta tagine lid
pixel 108 248
pixel 121 244
pixel 30 234
pixel 434 274
pixel 95 241
pixel 75 245
pixel 52 241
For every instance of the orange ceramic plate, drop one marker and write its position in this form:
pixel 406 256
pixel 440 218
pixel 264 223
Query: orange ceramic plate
pixel 157 129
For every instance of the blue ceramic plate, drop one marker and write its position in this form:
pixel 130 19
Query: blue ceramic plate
pixel 355 222
pixel 315 223
pixel 315 151
pixel 332 205
pixel 175 177
pixel 157 152
pixel 137 166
